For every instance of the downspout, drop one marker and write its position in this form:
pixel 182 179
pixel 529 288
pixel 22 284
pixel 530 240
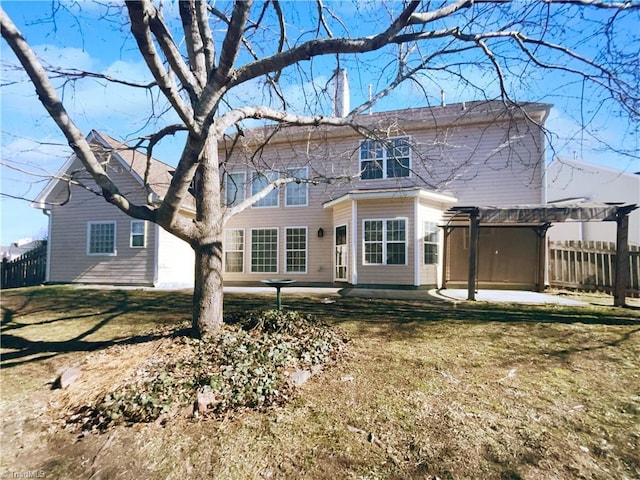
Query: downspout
pixel 47 273
pixel 156 253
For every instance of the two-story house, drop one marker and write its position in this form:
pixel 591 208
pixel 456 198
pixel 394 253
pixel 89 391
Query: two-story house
pixel 367 208
pixel 368 211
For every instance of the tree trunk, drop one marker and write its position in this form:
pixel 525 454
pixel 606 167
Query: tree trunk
pixel 207 292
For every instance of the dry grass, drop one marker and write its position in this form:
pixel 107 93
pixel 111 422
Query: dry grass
pixel 469 392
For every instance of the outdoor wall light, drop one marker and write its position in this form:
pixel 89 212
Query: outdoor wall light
pixel 320 232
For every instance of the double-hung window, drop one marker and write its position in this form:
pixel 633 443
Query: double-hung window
pixel 101 238
pixel 431 240
pixel 389 158
pixel 138 237
pixel 234 250
pixel 260 181
pixel 296 249
pixel 234 188
pixel 296 192
pixel 264 250
pixel 385 242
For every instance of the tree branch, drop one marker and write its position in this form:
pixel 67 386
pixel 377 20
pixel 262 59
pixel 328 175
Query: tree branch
pixel 219 83
pixel 139 17
pixel 49 99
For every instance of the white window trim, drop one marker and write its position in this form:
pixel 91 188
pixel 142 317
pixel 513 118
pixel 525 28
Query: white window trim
pixel 115 239
pixel 244 248
pixel 286 197
pixel 277 251
pixel 242 188
pixel 277 190
pixel 144 234
pixel 306 251
pixel 384 242
pixel 436 243
pixel 384 159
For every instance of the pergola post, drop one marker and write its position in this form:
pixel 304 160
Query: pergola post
pixel 474 225
pixel 622 258
pixel 445 251
pixel 541 233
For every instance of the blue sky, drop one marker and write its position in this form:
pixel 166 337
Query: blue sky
pixel 34 148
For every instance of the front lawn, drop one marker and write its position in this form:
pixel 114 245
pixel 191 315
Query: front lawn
pixel 423 391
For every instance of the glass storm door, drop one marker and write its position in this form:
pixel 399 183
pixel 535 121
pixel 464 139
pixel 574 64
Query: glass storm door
pixel 341 253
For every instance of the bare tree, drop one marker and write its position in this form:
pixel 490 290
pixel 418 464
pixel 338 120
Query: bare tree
pixel 219 48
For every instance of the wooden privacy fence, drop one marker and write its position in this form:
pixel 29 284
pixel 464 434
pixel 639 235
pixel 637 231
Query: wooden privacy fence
pixel 26 270
pixel 590 266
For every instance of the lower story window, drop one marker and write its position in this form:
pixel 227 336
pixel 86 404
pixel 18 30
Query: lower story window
pixel 385 242
pixel 264 250
pixel 431 238
pixel 234 251
pixel 296 249
pixel 138 234
pixel 101 238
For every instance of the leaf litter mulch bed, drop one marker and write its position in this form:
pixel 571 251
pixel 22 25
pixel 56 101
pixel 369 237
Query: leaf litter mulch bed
pixel 254 363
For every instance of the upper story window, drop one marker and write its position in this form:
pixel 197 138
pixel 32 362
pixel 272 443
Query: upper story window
pixel 259 181
pixel 138 234
pixel 385 242
pixel 390 158
pixel 297 192
pixel 234 188
pixel 101 238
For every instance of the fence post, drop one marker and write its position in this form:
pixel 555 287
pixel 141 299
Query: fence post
pixel 622 259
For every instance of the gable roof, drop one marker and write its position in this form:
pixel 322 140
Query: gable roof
pixel 158 176
pixel 456 114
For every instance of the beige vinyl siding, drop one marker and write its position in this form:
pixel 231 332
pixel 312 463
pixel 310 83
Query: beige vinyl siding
pixel 176 261
pixel 506 257
pixel 386 274
pixel 312 217
pixel 69 261
pixel 480 164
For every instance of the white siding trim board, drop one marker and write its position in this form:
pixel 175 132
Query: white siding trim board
pixel 354 242
pixel 416 240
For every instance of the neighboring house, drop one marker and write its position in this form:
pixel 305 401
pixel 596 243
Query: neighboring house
pixel 572 180
pixel 91 241
pixel 369 212
pixel 16 249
